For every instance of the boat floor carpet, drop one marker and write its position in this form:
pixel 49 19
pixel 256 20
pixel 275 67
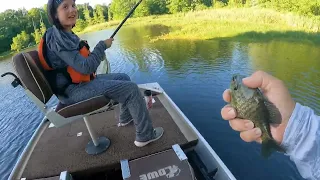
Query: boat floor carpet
pixel 63 149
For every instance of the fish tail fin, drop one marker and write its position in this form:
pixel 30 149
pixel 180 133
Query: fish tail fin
pixel 268 146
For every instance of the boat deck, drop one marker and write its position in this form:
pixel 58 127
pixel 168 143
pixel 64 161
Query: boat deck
pixel 62 149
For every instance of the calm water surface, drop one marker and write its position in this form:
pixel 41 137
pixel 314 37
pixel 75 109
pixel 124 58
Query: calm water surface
pixel 194 74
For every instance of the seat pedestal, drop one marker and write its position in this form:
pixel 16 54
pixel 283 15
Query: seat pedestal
pixel 96 145
pixel 103 145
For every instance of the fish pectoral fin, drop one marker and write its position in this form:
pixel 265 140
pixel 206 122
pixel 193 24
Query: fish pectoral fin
pixel 269 146
pixel 274 113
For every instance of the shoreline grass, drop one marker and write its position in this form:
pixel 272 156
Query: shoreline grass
pixel 8 54
pixel 253 24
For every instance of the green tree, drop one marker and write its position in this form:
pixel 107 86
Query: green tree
pixel 36 36
pixel 12 22
pixel 95 19
pixel 39 32
pixel 87 16
pixel 81 24
pixel 104 10
pixel 80 8
pixel 218 4
pixel 43 28
pixel 99 14
pixel 176 6
pixel 120 8
pixel 158 7
pixel 207 3
pixel 236 3
pixel 143 9
pixel 21 41
pixel 34 15
pixel 200 4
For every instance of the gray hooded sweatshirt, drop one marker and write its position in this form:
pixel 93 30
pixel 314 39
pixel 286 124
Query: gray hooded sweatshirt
pixel 63 50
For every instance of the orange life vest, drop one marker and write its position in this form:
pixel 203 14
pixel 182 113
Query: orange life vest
pixel 76 77
pixel 71 74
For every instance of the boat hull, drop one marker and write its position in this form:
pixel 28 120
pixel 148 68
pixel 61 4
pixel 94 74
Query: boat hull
pixel 206 156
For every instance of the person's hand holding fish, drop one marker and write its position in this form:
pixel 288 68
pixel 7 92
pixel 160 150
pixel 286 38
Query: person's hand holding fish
pixel 260 108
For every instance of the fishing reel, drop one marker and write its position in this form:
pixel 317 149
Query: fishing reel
pixel 16 82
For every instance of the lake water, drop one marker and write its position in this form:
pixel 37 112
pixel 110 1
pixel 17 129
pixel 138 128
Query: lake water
pixel 194 74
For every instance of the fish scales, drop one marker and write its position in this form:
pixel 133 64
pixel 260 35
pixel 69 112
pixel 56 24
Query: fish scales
pixel 253 109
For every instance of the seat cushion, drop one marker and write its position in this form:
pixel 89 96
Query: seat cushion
pixel 82 107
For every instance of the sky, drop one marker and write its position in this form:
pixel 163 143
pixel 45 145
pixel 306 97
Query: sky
pixel 16 4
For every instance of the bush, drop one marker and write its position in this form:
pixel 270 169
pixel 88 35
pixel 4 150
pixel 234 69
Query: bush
pixel 80 26
pixel 200 7
pixel 219 4
pixel 20 42
pixel 37 36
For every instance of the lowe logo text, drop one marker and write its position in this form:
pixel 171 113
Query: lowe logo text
pixel 169 172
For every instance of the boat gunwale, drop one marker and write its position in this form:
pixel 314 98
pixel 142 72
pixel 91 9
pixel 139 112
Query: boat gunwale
pixel 24 157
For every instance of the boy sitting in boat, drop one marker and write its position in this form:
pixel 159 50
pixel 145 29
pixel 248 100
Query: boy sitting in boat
pixel 71 68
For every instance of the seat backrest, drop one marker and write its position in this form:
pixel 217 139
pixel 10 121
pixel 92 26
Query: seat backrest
pixel 29 70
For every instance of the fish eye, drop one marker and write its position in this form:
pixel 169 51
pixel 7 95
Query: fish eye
pixel 234 82
pixel 235 86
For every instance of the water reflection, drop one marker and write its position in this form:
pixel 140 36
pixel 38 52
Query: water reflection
pixel 194 74
pixel 296 64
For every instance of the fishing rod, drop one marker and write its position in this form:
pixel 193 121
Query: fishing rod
pixel 125 19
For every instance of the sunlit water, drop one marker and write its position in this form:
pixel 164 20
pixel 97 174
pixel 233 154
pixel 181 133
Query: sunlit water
pixel 194 74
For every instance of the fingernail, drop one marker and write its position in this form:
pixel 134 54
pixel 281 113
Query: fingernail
pixel 245 79
pixel 249 125
pixel 231 112
pixel 258 132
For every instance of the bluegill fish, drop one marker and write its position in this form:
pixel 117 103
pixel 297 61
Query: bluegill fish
pixel 251 104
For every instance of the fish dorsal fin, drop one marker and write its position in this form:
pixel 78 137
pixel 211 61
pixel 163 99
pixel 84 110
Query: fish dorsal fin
pixel 274 113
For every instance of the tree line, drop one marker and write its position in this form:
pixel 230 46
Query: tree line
pixel 119 8
pixel 21 28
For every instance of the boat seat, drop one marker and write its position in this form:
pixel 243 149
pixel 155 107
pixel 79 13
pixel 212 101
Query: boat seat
pixel 30 76
pixel 83 107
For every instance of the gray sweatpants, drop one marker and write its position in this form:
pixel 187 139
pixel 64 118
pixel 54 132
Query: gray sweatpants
pixel 117 86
